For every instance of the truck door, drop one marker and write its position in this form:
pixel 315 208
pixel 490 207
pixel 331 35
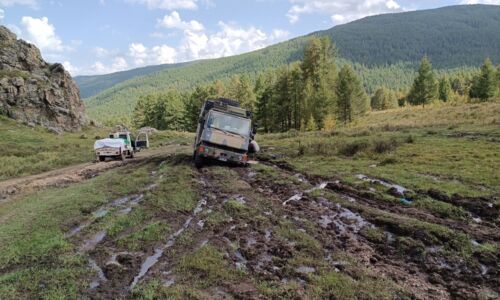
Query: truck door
pixel 142 140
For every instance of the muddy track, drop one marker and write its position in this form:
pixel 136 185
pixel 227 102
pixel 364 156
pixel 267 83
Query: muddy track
pixel 461 280
pixel 481 230
pixel 17 187
pixel 276 231
pixel 339 229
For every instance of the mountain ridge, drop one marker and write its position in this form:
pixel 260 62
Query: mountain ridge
pixel 369 51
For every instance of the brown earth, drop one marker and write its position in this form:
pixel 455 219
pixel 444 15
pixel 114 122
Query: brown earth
pixel 285 229
pixel 14 188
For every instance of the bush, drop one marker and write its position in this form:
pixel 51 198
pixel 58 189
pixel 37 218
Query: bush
pixel 410 139
pixel 353 148
pixel 383 146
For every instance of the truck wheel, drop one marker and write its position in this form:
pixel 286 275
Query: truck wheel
pixel 102 158
pixel 131 154
pixel 198 161
pixel 122 156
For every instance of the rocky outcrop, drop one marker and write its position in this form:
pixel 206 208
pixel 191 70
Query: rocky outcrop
pixel 34 91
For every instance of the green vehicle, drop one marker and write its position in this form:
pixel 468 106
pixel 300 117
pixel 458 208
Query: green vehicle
pixel 225 133
pixel 120 145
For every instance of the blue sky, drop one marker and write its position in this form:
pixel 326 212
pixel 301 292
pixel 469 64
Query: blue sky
pixel 103 36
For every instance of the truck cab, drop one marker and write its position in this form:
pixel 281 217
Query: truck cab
pixel 225 133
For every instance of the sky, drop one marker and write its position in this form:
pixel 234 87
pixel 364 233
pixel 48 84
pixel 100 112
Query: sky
pixel 103 36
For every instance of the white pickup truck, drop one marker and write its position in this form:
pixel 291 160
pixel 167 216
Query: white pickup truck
pixel 120 145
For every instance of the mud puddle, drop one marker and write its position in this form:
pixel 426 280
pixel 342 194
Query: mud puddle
pixel 299 196
pixel 153 259
pixel 398 188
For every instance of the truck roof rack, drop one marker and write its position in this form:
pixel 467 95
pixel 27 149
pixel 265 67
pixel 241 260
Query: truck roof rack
pixel 226 105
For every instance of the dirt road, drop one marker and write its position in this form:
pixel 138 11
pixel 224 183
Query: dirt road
pixel 12 188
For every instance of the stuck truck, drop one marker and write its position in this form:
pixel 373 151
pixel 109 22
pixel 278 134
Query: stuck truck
pixel 225 133
pixel 120 145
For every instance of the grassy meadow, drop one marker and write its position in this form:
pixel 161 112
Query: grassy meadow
pixel 455 149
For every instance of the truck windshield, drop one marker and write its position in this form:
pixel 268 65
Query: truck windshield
pixel 229 123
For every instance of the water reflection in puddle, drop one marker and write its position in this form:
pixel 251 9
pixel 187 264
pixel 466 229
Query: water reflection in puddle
pixel 401 190
pixel 100 274
pixel 153 259
pixel 91 243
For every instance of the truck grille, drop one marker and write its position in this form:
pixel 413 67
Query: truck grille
pixel 222 147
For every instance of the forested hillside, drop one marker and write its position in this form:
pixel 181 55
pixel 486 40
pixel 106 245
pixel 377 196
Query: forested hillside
pixel 384 50
pixel 92 85
pixel 451 37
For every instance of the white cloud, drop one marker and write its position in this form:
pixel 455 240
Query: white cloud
pixel 2 14
pixel 31 3
pixel 174 21
pixel 42 34
pixel 138 52
pixel 100 52
pixel 341 11
pixel 167 4
pixel 118 64
pixel 494 2
pixel 142 55
pixel 229 40
pixel 70 68
pixel 164 54
pixel 98 68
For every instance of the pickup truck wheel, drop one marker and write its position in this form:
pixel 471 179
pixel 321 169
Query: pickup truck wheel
pixel 102 158
pixel 132 154
pixel 122 156
pixel 198 161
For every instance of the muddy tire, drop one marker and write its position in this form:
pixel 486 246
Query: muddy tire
pixel 132 154
pixel 122 156
pixel 102 158
pixel 198 161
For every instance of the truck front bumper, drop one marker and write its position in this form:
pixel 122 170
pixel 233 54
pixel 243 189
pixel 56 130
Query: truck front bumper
pixel 221 154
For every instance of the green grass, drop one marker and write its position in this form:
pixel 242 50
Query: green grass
pixel 149 233
pixel 174 192
pixel 36 260
pixel 207 267
pixel 454 149
pixel 304 242
pixel 26 151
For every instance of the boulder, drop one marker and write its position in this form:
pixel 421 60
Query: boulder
pixel 33 91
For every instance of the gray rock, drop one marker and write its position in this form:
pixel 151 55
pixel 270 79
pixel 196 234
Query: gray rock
pixel 55 130
pixel 35 92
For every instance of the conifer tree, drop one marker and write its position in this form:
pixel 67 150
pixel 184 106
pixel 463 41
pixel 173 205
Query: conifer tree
pixel 311 124
pixel 498 80
pixel 484 84
pixel 444 89
pixel 424 87
pixel 384 98
pixel 351 97
pixel 194 104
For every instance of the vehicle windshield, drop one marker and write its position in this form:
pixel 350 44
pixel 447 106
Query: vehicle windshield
pixel 229 123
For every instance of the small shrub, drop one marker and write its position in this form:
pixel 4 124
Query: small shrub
pixel 302 149
pixel 389 161
pixel 353 148
pixel 383 146
pixel 410 139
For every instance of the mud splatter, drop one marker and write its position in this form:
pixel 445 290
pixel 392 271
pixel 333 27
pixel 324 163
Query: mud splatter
pixel 401 190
